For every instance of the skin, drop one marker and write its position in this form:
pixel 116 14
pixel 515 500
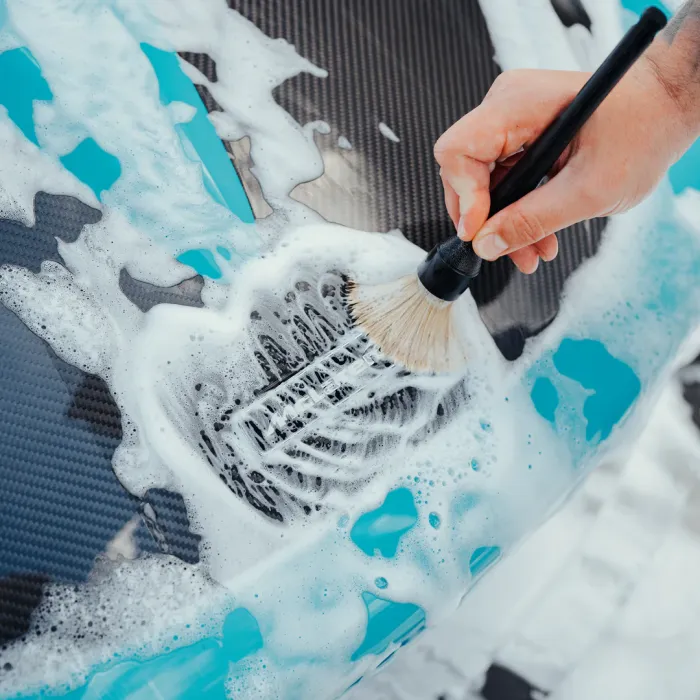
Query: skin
pixel 643 127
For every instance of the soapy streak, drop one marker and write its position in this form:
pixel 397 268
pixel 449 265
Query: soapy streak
pixel 289 452
pixel 297 414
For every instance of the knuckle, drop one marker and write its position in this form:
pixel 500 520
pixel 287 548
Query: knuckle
pixel 507 80
pixel 439 153
pixel 524 228
pixel 503 80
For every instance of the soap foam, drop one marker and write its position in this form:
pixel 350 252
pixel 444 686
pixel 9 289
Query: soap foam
pixel 388 132
pixel 26 170
pixel 275 513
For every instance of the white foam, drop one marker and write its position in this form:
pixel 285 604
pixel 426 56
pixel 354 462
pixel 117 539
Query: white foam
pixel 26 170
pixel 76 628
pixel 248 70
pixel 153 362
pixel 388 133
pixel 517 28
pixel 645 500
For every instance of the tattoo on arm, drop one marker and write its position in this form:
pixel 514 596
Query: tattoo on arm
pixel 686 21
pixel 678 67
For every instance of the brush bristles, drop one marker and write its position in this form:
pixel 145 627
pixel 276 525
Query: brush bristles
pixel 408 324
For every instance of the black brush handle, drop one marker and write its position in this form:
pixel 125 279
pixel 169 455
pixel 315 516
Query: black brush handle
pixel 451 266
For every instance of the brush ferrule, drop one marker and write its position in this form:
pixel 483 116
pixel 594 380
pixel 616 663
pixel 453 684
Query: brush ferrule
pixel 449 269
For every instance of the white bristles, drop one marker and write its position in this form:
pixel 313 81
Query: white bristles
pixel 409 325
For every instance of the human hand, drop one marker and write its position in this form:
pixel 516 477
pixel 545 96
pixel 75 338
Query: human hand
pixel 615 161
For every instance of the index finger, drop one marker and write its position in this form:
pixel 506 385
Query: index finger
pixel 519 105
pixel 517 108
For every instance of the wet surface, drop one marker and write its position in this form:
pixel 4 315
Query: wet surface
pixel 61 505
pixel 276 440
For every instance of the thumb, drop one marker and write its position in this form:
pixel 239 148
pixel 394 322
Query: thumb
pixel 553 206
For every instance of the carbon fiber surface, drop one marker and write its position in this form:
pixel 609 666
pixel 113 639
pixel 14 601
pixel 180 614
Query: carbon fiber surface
pixel 60 503
pixel 416 65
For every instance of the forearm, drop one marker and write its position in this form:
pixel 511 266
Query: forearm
pixel 675 57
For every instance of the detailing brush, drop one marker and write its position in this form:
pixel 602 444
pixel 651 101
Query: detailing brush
pixel 411 319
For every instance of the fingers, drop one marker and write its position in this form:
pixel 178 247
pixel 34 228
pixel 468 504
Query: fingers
pixel 548 247
pixel 559 203
pixel 469 179
pixel 451 201
pixel 518 107
pixel 526 260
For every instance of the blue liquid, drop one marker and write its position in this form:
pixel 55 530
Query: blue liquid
pixel 21 84
pixel 92 165
pixel 195 672
pixel 434 520
pixel 219 175
pixel 383 528
pixel 388 623
pixel 546 399
pixel 686 172
pixel 482 558
pixel 202 261
pixel 612 384
pixel 638 6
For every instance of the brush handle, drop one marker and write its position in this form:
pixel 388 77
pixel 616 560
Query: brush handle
pixel 540 158
pixel 450 267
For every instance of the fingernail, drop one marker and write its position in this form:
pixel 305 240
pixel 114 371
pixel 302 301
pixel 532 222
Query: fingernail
pixel 460 228
pixel 490 246
pixel 464 230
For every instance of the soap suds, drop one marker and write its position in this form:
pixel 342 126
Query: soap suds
pixel 636 510
pixel 26 170
pixel 277 424
pixel 387 132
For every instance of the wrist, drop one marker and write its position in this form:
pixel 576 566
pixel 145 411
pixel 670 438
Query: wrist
pixel 673 95
pixel 675 60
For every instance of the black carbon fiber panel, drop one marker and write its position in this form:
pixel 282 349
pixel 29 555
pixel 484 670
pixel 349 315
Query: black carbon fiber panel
pixel 416 65
pixel 60 502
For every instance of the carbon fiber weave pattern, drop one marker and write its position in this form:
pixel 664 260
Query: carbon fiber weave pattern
pixel 417 66
pixel 60 502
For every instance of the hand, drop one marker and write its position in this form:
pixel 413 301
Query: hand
pixel 615 161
